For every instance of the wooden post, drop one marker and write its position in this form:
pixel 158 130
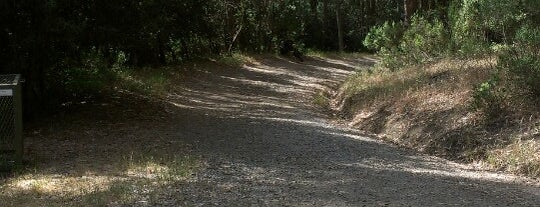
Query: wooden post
pixel 17 105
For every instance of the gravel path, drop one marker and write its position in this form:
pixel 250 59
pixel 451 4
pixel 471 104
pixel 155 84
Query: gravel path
pixel 264 144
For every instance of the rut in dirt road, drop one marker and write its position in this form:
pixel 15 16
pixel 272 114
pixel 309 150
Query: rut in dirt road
pixel 265 144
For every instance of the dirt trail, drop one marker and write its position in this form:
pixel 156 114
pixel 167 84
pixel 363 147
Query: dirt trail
pixel 264 143
pixel 261 141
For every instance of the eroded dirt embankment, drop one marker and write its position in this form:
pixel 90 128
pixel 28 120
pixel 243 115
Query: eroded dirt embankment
pixel 429 108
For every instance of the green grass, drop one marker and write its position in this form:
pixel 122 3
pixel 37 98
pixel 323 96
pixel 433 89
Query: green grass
pixel 233 60
pixel 147 81
pixel 336 55
pixel 321 99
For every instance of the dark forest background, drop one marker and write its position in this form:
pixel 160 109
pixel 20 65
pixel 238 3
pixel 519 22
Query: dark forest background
pixel 61 46
pixel 66 49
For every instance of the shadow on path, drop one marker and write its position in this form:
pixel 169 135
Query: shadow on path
pixel 264 144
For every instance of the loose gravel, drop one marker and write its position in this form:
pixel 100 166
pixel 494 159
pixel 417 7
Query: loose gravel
pixel 264 143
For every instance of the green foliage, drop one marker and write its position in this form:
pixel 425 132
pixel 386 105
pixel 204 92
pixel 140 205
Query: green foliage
pixel 79 79
pixel 424 39
pixel 398 45
pixel 522 60
pixel 511 27
pixel 501 17
pixel 385 36
pixel 488 97
pixel 506 28
pixel 466 33
pixel 386 40
pixel 475 24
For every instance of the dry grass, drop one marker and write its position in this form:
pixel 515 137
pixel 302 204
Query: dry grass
pixel 522 157
pixel 429 108
pixel 339 56
pixel 116 151
pixel 142 182
pixel 120 150
pixel 321 99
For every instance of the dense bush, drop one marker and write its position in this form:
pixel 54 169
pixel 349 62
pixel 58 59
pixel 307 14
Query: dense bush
pixel 522 60
pixel 517 25
pixel 490 97
pixel 384 37
pixel 507 29
pixel 477 24
pixel 386 40
pixel 424 39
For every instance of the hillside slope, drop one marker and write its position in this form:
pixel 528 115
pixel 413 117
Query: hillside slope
pixel 429 108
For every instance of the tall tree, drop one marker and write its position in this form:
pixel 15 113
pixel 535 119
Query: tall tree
pixel 410 7
pixel 341 45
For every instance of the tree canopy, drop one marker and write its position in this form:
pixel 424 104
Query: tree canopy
pixel 54 42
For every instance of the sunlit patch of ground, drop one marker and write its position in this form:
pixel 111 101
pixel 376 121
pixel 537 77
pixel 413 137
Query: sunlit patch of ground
pixel 140 182
pixel 123 174
pixel 117 151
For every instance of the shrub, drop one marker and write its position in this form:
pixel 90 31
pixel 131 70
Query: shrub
pixel 384 37
pixel 467 36
pixel 424 39
pixel 522 60
pixel 489 97
pixel 517 73
pixel 477 24
pixel 79 78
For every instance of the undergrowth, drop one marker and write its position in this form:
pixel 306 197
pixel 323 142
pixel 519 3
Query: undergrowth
pixel 96 76
pixel 522 157
pixel 128 174
pixel 462 86
pixel 434 109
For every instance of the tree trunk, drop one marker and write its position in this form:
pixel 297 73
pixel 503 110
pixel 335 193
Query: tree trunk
pixel 325 14
pixel 410 7
pixel 339 28
pixel 313 6
pixel 234 39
